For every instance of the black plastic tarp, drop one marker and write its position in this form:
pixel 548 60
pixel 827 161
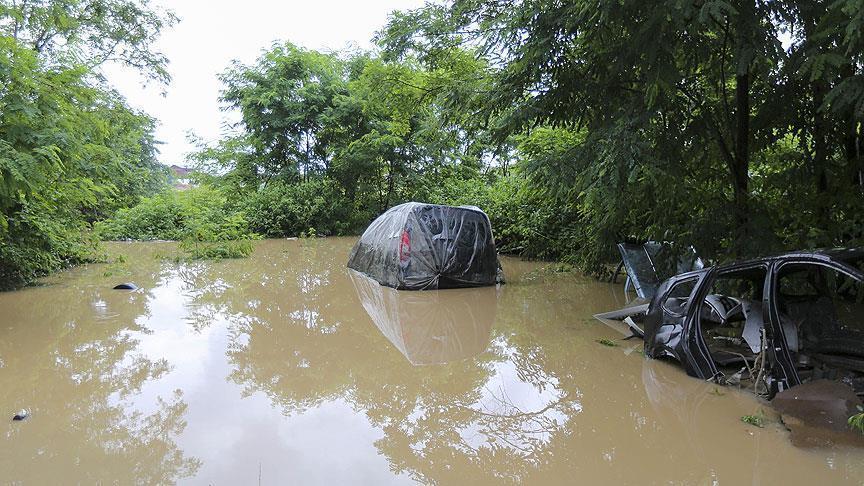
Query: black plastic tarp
pixel 417 246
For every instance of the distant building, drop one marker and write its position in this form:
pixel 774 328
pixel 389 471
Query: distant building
pixel 182 178
pixel 181 172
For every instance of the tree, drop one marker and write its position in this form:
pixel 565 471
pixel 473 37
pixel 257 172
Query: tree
pixel 71 150
pixel 282 99
pixel 662 91
pixel 90 32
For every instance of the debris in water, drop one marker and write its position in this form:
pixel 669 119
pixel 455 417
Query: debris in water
pixel 22 414
pixel 817 413
pixel 126 286
pixel 734 317
pixel 607 342
pixel 756 420
pixel 652 262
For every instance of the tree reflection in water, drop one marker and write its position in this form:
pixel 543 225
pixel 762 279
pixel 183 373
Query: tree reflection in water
pixel 519 394
pixel 75 364
pixel 299 334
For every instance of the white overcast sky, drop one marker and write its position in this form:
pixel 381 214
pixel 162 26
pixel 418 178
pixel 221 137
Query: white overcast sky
pixel 212 33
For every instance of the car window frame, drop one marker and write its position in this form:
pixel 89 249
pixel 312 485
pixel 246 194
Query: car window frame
pixel 695 279
pixel 832 264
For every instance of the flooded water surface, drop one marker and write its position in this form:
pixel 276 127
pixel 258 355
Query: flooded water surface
pixel 287 368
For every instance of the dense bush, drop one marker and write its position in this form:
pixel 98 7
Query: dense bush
pixel 201 213
pixel 38 240
pixel 200 218
pixel 524 222
pixel 71 152
pixel 282 209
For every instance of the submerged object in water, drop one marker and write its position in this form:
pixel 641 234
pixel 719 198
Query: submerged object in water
pixel 417 246
pixel 779 321
pixel 817 412
pixel 126 286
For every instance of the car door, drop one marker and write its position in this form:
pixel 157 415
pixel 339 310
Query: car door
pixel 817 313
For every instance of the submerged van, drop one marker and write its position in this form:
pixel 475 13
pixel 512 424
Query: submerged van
pixel 418 246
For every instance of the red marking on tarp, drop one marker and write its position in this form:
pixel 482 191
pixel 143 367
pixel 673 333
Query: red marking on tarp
pixel 405 247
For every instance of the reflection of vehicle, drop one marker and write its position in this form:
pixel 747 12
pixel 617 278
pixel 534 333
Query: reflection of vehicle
pixel 772 322
pixel 430 327
pixel 417 246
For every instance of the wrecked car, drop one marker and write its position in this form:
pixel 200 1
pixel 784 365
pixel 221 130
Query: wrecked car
pixel 770 323
pixel 418 246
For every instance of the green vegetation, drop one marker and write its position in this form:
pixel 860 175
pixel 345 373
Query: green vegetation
pixel 856 422
pixel 200 213
pixel 192 249
pixel 734 127
pixel 71 151
pixel 757 420
pixel 607 342
pixel 330 141
pixel 731 126
pixel 200 218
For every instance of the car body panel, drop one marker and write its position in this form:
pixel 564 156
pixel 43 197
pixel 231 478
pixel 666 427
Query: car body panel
pixel 672 323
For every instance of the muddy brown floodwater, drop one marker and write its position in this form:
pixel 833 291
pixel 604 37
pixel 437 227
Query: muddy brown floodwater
pixel 286 368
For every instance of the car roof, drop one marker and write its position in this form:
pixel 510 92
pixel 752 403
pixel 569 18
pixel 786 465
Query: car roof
pixel 841 255
pixel 417 206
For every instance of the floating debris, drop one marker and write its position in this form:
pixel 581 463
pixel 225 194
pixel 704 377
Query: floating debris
pixel 126 286
pixel 21 415
pixel 817 413
pixel 757 420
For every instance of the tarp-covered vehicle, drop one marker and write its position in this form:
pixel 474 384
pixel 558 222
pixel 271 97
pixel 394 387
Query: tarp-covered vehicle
pixel 771 323
pixel 417 246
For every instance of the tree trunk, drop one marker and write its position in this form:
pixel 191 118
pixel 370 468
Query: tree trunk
pixel 740 167
pixel 741 163
pixel 821 125
pixel 852 143
pixel 308 159
pixel 852 147
pixel 820 149
pixel 389 186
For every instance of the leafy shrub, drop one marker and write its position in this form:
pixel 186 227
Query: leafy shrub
pixel 228 238
pixel 215 250
pixel 524 222
pixel 38 239
pixel 71 151
pixel 757 420
pixel 199 217
pixel 198 213
pixel 856 422
pixel 282 209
